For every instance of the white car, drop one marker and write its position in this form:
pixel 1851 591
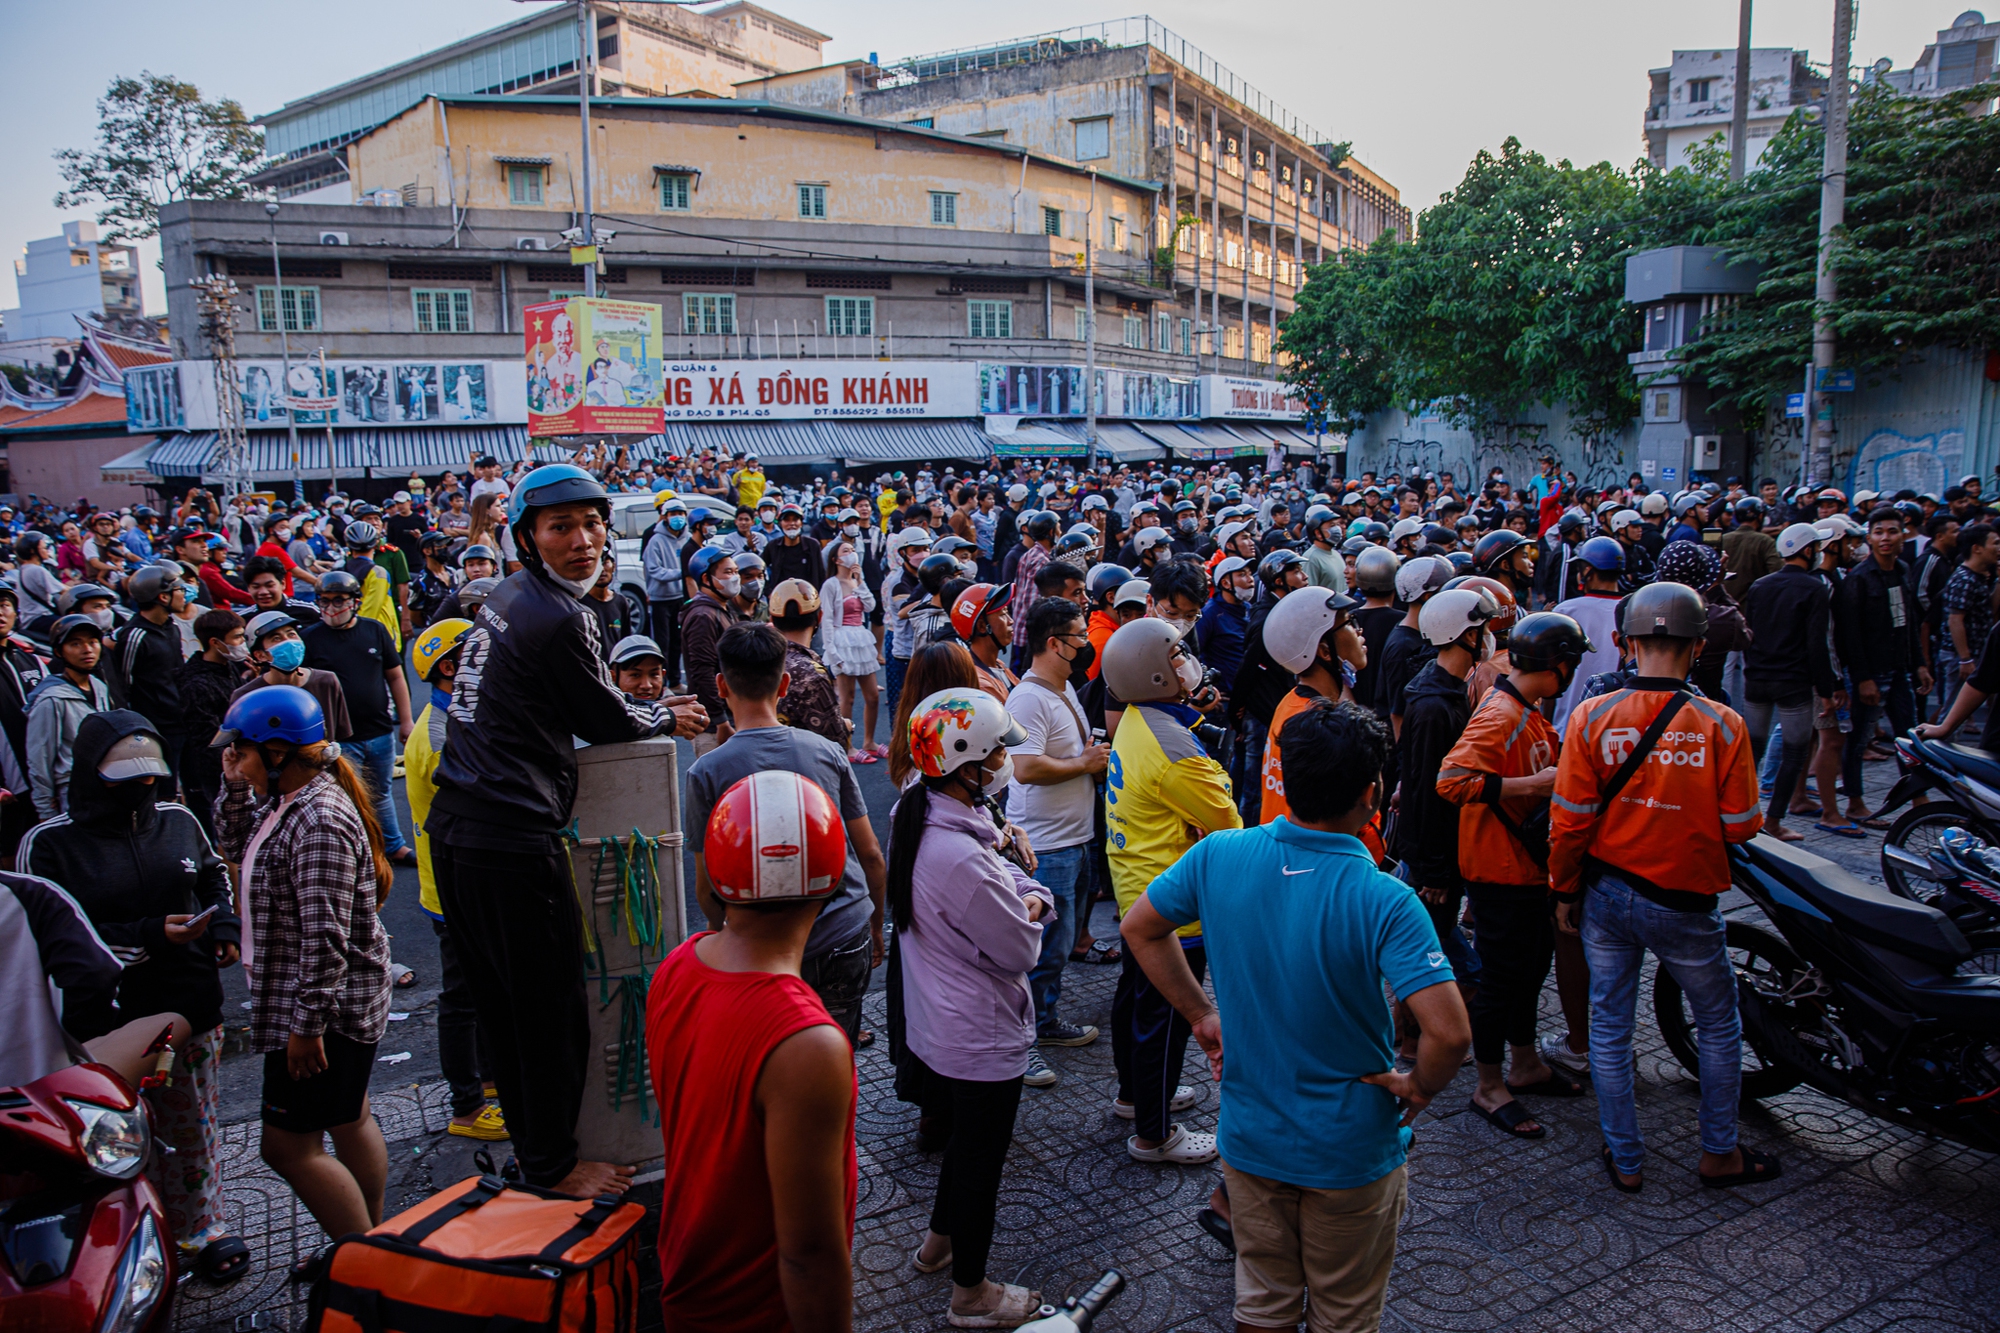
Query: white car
pixel 632 517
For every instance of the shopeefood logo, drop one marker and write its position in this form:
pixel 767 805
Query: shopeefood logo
pixel 1616 747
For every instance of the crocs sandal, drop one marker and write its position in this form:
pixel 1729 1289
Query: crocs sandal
pixel 1557 1084
pixel 489 1126
pixel 1757 1168
pixel 222 1261
pixel 1183 1147
pixel 1611 1170
pixel 1508 1118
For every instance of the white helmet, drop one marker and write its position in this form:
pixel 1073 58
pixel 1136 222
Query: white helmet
pixel 956 727
pixel 1228 565
pixel 1798 538
pixel 1450 614
pixel 1293 630
pixel 1140 662
pixel 1148 538
pixel 1421 576
pixel 1132 592
pixel 1625 518
pixel 1227 533
pixel 1405 527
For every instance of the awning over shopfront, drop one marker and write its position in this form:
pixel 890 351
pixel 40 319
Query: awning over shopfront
pixel 1126 443
pixel 1035 439
pixel 130 469
pixel 356 453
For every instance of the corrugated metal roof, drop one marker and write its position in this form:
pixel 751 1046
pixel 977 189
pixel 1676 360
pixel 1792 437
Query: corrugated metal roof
pixel 355 452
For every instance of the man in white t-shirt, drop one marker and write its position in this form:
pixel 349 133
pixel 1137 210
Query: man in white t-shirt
pixel 486 471
pixel 1054 800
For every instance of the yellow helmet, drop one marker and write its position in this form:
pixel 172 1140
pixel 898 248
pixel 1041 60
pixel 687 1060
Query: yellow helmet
pixel 436 642
pixel 662 495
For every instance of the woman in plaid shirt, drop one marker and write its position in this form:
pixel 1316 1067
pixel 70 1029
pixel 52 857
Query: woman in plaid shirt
pixel 295 816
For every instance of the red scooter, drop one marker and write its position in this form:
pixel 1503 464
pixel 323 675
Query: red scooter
pixel 84 1246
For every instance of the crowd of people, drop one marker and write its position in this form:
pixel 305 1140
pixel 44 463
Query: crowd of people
pixel 1452 740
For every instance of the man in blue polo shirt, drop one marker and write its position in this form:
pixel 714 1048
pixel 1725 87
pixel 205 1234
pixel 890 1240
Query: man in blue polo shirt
pixel 1303 932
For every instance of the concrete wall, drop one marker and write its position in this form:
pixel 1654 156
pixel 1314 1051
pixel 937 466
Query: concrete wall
pixel 65 469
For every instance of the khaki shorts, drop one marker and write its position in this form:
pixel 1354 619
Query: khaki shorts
pixel 1336 1244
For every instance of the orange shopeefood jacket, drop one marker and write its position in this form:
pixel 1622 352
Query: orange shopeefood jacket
pixel 1504 739
pixel 1695 793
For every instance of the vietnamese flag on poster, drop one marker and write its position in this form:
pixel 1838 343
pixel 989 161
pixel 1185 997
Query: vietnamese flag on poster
pixel 594 368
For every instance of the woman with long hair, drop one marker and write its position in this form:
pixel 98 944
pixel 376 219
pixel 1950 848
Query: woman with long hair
pixel 483 528
pixel 844 604
pixel 945 665
pixel 295 815
pixel 968 929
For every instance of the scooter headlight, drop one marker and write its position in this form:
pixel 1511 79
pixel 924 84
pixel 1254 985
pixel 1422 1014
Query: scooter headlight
pixel 141 1279
pixel 115 1142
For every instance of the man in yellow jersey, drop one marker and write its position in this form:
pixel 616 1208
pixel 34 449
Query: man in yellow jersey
pixel 1162 795
pixel 436 657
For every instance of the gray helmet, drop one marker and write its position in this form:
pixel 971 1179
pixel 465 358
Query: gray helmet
pixel 1315 516
pixel 1665 610
pixel 67 599
pixel 363 537
pixel 474 594
pixel 478 551
pixel 1375 571
pixel 151 583
pixel 1139 662
pixel 266 623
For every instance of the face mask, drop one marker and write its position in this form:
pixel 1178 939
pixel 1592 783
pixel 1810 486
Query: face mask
pixel 281 536
pixel 729 586
pixel 753 589
pixel 996 780
pixel 578 587
pixel 288 655
pixel 1488 645
pixel 791 529
pixel 849 560
pixel 676 524
pixel 237 652
pixel 102 615
pixel 968 568
pixel 1189 672
pixel 851 530
pixel 1079 666
pixel 1187 525
pixel 1245 588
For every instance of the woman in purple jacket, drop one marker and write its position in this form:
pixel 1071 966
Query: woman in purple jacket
pixel 968 928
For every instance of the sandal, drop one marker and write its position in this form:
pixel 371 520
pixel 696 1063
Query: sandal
pixel 222 1261
pixel 1016 1306
pixel 1611 1169
pixel 406 977
pixel 1557 1084
pixel 861 757
pixel 1218 1228
pixel 309 1268
pixel 1100 951
pixel 917 1259
pixel 1757 1168
pixel 1844 830
pixel 864 1039
pixel 1873 822
pixel 1508 1118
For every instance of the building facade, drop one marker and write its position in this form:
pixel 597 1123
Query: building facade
pixel 1693 100
pixel 59 280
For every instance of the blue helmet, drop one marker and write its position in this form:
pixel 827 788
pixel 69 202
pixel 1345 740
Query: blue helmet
pixel 1603 553
pixel 706 559
pixel 274 713
pixel 556 484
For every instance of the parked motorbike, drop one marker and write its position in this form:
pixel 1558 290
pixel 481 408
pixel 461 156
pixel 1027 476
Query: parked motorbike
pixel 1861 992
pixel 1078 1312
pixel 84 1243
pixel 1965 783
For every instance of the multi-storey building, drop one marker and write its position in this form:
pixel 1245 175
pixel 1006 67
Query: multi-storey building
pixel 1694 98
pixel 60 280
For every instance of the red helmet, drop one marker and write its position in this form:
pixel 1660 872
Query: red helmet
pixel 977 602
pixel 775 837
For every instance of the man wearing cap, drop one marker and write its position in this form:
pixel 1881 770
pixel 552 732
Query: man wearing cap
pixel 809 701
pixel 57 707
pixel 277 656
pixel 1630 530
pixel 150 657
pixel 793 555
pixel 749 483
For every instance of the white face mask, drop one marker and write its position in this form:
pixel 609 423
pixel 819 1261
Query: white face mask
pixel 849 560
pixel 995 781
pixel 1181 627
pixel 968 568
pixel 729 586
pixel 103 616
pixel 1189 672
pixel 851 530
pixel 236 652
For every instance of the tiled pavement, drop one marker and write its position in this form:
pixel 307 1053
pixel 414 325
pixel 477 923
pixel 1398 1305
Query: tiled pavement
pixel 1871 1228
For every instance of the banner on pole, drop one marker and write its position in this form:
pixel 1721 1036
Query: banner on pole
pixel 593 368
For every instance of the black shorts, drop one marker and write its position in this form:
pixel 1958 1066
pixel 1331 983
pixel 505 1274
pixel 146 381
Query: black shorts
pixel 331 1098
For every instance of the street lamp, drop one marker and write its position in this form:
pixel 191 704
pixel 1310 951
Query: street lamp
pixel 284 354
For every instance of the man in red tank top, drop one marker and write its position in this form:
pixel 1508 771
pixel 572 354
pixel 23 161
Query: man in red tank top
pixel 756 1083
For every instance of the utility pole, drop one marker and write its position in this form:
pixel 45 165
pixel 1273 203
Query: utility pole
pixel 586 50
pixel 1832 210
pixel 1090 332
pixel 285 356
pixel 1739 114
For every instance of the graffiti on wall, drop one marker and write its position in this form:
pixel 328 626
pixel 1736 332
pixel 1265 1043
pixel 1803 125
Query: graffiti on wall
pixel 1600 463
pixel 1889 461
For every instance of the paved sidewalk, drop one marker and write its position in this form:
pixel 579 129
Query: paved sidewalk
pixel 1871 1228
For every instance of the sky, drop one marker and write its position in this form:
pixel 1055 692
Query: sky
pixel 1418 88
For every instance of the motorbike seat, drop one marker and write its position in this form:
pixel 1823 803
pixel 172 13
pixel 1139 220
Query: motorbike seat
pixel 1973 762
pixel 1876 915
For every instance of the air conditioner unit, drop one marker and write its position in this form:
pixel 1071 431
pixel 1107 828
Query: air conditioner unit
pixel 1707 453
pixel 530 243
pixel 333 238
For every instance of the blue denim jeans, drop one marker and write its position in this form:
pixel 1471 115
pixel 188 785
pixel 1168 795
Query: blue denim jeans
pixel 1618 927
pixel 378 766
pixel 1458 950
pixel 893 672
pixel 1065 873
pixel 1896 696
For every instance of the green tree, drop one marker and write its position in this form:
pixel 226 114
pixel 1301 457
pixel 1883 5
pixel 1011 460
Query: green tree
pixel 158 141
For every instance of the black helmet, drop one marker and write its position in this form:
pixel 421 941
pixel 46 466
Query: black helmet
pixel 1749 509
pixel 339 583
pixel 1571 521
pixel 1104 580
pixel 433 538
pixel 1271 569
pixel 1073 541
pixel 1437 534
pixel 1547 641
pixel 1665 610
pixel 1315 517
pixel 1495 547
pixel 937 569
pixel 1039 524
pixel 1377 534
pixel 151 583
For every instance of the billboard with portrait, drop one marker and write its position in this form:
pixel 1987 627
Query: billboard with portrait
pixel 593 368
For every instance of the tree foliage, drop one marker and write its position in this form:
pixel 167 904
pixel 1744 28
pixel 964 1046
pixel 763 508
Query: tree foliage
pixel 1512 292
pixel 158 140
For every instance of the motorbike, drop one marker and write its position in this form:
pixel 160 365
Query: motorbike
pixel 84 1242
pixel 1965 784
pixel 1078 1312
pixel 1874 998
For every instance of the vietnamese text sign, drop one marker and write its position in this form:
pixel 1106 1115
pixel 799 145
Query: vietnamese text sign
pixel 777 390
pixel 593 367
pixel 1224 396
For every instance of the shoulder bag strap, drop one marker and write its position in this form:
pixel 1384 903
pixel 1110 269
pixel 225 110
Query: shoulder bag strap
pixel 1647 740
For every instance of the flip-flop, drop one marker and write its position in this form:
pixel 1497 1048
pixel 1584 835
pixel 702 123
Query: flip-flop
pixel 1100 951
pixel 1509 1118
pixel 223 1260
pixel 1874 823
pixel 1218 1228
pixel 1611 1170
pixel 1844 830
pixel 916 1259
pixel 864 1040
pixel 1557 1084
pixel 1757 1168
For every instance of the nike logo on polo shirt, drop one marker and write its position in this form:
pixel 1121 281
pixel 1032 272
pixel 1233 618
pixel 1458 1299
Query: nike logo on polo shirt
pixel 1289 871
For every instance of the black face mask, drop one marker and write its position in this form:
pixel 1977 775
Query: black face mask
pixel 1079 666
pixel 128 796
